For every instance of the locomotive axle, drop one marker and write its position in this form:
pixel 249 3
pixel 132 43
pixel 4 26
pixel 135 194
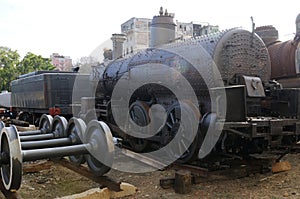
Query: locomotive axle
pixel 45 126
pixel 97 139
pixel 73 137
pixel 58 130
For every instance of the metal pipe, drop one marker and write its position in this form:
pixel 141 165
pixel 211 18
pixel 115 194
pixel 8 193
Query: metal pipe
pixel 46 143
pixel 37 154
pixel 36 132
pixel 58 131
pixel 37 137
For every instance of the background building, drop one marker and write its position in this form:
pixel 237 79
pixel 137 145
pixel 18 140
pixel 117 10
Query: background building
pixel 62 63
pixel 188 30
pixel 137 31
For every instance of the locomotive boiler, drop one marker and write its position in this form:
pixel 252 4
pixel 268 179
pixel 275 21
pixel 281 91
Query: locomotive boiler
pixel 284 55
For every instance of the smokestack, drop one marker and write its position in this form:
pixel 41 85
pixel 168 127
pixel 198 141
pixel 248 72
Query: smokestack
pixel 162 29
pixel 268 34
pixel 118 41
pixel 298 26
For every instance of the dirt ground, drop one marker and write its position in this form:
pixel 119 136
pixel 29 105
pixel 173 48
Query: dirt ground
pixel 59 181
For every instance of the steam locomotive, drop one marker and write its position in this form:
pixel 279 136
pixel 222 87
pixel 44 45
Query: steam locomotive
pixel 238 92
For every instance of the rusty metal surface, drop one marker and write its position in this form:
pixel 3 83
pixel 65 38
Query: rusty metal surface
pixel 240 52
pixel 292 82
pixel 282 55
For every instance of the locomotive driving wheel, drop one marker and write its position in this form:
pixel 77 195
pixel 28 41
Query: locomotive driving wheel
pixel 186 144
pixel 139 115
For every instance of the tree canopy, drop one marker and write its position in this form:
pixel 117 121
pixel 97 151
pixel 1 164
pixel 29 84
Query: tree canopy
pixel 11 66
pixel 32 62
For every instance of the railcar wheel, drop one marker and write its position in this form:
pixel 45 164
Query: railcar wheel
pixel 11 159
pixel 2 125
pixel 77 128
pixel 101 158
pixel 187 148
pixel 46 122
pixel 59 126
pixel 139 115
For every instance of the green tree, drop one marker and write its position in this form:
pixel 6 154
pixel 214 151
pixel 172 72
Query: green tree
pixel 32 62
pixel 11 66
pixel 9 61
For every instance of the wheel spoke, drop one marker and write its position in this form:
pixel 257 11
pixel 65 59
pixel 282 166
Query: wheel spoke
pixel 132 115
pixel 183 146
pixel 169 125
pixel 172 118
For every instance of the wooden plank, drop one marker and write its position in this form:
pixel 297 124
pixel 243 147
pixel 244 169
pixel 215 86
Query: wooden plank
pixel 281 166
pixel 193 169
pixel 105 193
pixel 102 180
pixel 167 183
pixel 36 167
pixel 182 182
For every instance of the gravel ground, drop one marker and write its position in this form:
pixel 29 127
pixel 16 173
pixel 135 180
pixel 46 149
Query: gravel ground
pixel 59 181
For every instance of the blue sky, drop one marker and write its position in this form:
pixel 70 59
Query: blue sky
pixel 76 28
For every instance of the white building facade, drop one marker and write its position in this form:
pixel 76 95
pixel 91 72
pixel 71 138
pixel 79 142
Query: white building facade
pixel 137 31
